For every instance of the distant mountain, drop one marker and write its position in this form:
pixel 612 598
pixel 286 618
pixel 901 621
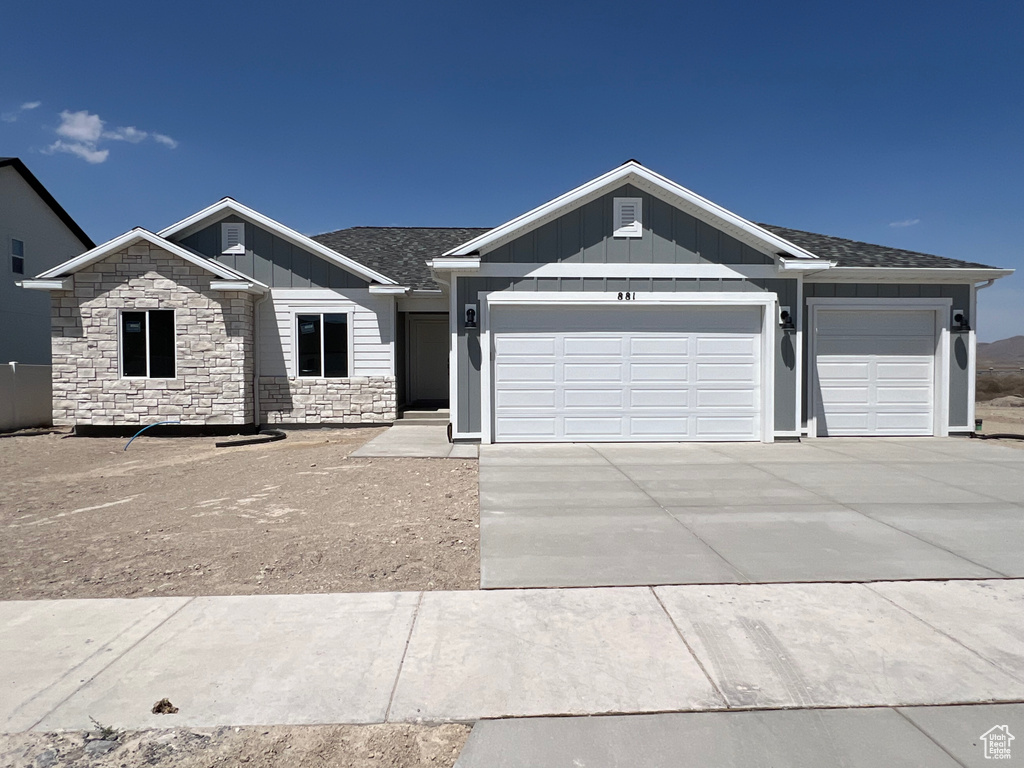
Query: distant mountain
pixel 1003 352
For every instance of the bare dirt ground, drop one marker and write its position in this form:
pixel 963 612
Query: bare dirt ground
pixel 1002 418
pixel 81 517
pixel 327 746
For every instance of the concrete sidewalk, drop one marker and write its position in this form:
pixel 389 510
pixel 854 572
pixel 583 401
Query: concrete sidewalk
pixel 422 441
pixel 434 656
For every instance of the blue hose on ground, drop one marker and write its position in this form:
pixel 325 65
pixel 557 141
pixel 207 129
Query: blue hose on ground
pixel 155 424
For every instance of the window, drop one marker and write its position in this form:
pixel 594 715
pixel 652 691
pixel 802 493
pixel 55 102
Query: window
pixel 629 217
pixel 17 256
pixel 322 342
pixel 232 237
pixel 147 344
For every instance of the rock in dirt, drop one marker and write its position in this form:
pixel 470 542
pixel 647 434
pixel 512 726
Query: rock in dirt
pixel 100 746
pixel 1007 401
pixel 164 707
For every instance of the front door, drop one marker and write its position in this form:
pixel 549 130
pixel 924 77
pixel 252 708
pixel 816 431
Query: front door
pixel 428 358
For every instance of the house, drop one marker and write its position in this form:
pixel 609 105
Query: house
pixel 628 309
pixel 36 233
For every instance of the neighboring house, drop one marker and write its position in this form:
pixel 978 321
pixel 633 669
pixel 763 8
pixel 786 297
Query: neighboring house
pixel 36 233
pixel 628 309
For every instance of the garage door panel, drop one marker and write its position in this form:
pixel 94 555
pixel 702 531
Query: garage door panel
pixel 592 398
pixel 525 345
pixel 649 380
pixel 642 373
pixel 525 398
pixel 577 345
pixel 875 372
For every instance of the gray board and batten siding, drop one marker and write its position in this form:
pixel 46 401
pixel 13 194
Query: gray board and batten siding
pixel 272 260
pixel 959 363
pixel 584 236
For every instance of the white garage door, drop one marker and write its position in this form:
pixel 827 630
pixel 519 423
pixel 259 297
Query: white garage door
pixel 626 373
pixel 876 372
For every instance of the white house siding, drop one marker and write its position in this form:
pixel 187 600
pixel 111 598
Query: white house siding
pixel 367 396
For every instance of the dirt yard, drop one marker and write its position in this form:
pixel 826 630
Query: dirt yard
pixel 1002 415
pixel 81 517
pixel 322 746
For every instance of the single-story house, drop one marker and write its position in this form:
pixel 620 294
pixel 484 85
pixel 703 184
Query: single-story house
pixel 628 309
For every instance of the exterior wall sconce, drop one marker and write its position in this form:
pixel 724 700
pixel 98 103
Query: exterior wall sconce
pixel 960 322
pixel 470 316
pixel 786 319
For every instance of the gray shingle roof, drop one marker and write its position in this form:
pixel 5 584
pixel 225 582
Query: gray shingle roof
pixel 852 253
pixel 402 252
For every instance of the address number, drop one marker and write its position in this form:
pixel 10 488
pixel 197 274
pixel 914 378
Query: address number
pixel 627 295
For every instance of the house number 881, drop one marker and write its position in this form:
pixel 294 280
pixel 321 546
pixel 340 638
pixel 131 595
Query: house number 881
pixel 627 296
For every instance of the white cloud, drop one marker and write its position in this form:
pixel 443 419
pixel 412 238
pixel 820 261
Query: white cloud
pixel 12 117
pixel 87 152
pixel 130 134
pixel 904 223
pixel 80 126
pixel 84 133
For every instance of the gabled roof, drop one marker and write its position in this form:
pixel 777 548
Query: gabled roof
pixel 853 253
pixel 399 252
pixel 133 236
pixel 227 206
pixel 631 172
pixel 46 197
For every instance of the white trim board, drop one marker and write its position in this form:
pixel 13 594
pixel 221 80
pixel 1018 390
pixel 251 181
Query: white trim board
pixel 653 183
pixel 767 301
pixel 941 308
pixel 227 205
pixel 640 271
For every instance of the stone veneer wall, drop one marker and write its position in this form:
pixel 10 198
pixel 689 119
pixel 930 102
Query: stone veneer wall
pixel 214 344
pixel 355 400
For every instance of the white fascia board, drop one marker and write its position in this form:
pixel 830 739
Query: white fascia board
pixel 391 290
pixel 133 236
pixel 576 269
pixel 459 263
pixel 248 286
pixel 649 181
pixel 227 205
pixel 610 298
pixel 56 284
pixel 906 275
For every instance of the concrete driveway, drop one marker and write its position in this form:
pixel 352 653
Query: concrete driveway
pixel 855 509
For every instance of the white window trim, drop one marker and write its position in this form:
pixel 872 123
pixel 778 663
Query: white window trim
pixel 769 313
pixel 350 338
pixel 145 331
pixel 940 382
pixel 634 228
pixel 238 248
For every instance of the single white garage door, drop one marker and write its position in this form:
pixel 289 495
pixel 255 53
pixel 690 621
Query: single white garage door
pixel 875 372
pixel 626 373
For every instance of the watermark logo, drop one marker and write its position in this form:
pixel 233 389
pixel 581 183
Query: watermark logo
pixel 997 742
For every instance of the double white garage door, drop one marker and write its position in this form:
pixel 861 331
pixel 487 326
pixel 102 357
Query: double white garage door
pixel 626 373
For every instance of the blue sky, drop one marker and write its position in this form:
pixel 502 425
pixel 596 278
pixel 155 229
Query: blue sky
pixel 892 122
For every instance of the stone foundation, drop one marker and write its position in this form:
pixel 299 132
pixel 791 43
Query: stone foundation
pixel 355 400
pixel 213 344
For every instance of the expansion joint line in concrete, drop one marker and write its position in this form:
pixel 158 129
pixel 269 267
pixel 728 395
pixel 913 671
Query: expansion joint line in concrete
pixel 405 650
pixel 106 666
pixel 672 517
pixel 948 636
pixel 700 663
pixel 899 712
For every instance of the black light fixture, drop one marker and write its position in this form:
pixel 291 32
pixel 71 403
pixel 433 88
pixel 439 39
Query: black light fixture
pixel 786 320
pixel 961 321
pixel 470 316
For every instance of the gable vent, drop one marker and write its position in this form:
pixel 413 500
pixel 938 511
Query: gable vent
pixel 628 217
pixel 232 237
